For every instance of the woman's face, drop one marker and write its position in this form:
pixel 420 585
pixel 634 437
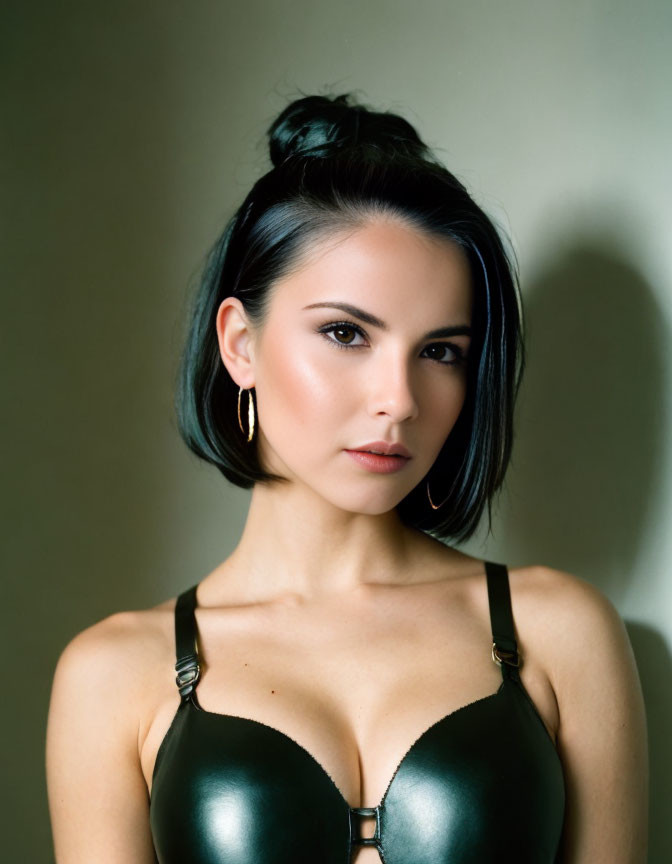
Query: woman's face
pixel 389 381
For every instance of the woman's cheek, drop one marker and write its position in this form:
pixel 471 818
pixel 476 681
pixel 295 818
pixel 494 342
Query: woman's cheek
pixel 298 390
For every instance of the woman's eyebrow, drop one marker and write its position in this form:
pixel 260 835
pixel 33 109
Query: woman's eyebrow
pixel 374 321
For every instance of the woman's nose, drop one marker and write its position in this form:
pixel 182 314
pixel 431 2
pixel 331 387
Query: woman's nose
pixel 392 390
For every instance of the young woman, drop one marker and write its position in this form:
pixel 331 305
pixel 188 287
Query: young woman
pixel 350 686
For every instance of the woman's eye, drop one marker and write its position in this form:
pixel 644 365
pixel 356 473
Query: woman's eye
pixel 443 349
pixel 447 350
pixel 341 328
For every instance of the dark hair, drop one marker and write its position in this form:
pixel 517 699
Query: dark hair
pixel 337 164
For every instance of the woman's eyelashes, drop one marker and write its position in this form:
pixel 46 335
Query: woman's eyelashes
pixel 345 326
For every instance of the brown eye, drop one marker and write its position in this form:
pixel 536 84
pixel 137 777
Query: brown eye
pixel 442 348
pixel 449 354
pixel 340 328
pixel 344 330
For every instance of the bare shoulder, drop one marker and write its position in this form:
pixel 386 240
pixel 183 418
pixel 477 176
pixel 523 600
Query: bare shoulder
pixel 117 647
pixel 108 669
pixel 568 618
pixel 96 789
pixel 550 584
pixel 581 640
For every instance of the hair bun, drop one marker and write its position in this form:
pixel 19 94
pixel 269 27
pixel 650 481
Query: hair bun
pixel 317 126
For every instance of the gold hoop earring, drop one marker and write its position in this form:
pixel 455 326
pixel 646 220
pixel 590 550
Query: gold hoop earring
pixel 433 505
pixel 250 413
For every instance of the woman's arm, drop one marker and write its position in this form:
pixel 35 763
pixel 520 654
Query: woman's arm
pixel 98 799
pixel 602 737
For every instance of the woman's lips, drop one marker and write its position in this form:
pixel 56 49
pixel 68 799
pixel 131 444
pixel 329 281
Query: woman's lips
pixel 376 463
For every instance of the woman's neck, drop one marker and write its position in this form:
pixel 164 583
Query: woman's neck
pixel 297 546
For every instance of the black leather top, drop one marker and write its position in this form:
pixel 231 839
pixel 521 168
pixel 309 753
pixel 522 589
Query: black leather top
pixel 483 784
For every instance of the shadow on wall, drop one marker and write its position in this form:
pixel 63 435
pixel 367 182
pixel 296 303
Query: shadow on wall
pixel 590 426
pixel 583 491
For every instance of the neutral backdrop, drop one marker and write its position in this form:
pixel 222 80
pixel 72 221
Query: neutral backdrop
pixel 132 130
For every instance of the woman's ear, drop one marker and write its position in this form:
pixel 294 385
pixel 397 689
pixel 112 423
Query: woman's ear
pixel 236 341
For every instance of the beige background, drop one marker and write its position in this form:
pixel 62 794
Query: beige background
pixel 133 129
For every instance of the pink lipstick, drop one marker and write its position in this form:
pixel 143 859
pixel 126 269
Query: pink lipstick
pixel 388 458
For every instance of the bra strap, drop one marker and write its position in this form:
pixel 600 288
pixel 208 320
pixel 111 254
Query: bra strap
pixel 504 646
pixel 187 666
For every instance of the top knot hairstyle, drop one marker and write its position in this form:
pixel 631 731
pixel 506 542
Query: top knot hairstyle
pixel 336 165
pixel 318 126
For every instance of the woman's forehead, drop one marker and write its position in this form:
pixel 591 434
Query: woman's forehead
pixel 384 259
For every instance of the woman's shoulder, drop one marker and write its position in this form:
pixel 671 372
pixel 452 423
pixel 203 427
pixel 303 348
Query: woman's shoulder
pixel 105 688
pixel 582 641
pixel 119 650
pixel 569 621
pixel 558 595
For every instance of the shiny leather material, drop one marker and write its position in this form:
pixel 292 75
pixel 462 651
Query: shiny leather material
pixel 483 784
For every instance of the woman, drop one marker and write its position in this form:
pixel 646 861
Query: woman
pixel 336 697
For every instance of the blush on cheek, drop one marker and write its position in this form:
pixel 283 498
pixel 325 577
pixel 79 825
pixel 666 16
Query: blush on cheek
pixel 298 384
pixel 296 395
pixel 310 375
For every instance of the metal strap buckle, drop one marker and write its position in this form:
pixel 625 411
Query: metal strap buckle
pixel 356 827
pixel 188 672
pixel 499 655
